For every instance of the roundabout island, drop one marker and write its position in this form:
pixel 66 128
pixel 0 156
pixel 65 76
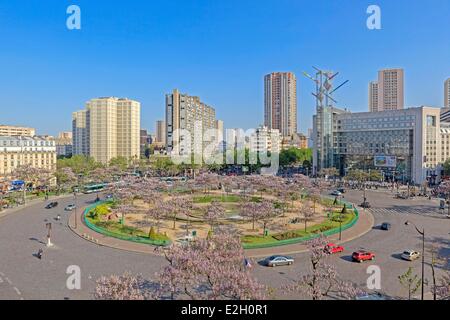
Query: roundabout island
pixel 262 211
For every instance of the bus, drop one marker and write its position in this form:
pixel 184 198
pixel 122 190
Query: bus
pixel 95 188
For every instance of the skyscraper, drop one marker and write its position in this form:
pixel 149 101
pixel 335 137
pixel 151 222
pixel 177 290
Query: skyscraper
pixel 447 93
pixel 187 115
pixel 391 89
pixel 373 96
pixel 161 132
pixel 108 128
pixel 280 102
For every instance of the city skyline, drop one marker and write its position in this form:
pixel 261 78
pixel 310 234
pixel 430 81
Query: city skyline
pixel 297 35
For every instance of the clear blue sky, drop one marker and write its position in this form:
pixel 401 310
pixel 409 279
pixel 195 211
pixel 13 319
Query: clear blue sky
pixel 217 49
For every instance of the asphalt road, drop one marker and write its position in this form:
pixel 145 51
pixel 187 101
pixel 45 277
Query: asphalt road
pixel 24 276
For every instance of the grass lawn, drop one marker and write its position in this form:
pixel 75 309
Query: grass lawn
pixel 210 198
pixel 300 233
pixel 122 230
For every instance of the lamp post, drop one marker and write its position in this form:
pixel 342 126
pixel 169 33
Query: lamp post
pixel 422 233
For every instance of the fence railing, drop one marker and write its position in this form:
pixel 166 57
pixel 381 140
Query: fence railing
pixel 327 233
pixel 108 233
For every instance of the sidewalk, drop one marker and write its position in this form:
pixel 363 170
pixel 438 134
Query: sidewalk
pixel 364 225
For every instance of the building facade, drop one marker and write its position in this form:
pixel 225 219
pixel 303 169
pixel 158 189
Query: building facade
pixel 298 140
pixel 187 120
pixel 35 151
pixel 373 96
pixel 265 140
pixel 108 128
pixel 388 92
pixel 161 132
pixel 15 131
pixel 391 89
pixel 280 102
pixel 403 144
pixel 64 144
pixel 447 93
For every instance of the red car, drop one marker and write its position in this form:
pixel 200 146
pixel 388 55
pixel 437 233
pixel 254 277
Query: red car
pixel 361 256
pixel 332 248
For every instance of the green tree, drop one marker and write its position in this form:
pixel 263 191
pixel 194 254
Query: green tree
pixel 446 166
pixel 411 282
pixel 120 162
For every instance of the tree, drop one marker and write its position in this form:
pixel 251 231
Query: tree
pixel 120 162
pixel 31 175
pixel 65 178
pixel 446 166
pixel 411 282
pixel 263 211
pixel 125 287
pixel 214 212
pixel 323 280
pixel 208 269
pixel 307 213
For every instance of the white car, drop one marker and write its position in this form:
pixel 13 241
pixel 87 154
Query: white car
pixel 410 255
pixel 70 207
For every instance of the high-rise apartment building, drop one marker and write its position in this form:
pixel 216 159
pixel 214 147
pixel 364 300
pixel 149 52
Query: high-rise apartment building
pixel 280 102
pixel 161 132
pixel 80 132
pixel 108 128
pixel 390 87
pixel 15 131
pixel 447 93
pixel 187 118
pixel 373 96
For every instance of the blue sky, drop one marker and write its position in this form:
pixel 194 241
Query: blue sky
pixel 219 50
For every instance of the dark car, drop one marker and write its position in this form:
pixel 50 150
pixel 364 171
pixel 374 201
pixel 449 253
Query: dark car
pixel 365 205
pixel 341 190
pixel 52 205
pixel 386 226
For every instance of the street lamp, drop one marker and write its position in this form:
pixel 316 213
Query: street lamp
pixel 422 233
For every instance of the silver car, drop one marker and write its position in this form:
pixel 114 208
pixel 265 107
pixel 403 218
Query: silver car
pixel 275 261
pixel 70 207
pixel 410 255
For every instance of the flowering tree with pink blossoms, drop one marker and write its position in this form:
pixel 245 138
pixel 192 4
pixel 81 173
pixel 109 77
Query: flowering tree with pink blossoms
pixel 323 281
pixel 124 287
pixel 263 211
pixel 214 212
pixel 208 269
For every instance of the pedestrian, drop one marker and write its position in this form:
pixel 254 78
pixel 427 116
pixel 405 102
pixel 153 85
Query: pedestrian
pixel 39 254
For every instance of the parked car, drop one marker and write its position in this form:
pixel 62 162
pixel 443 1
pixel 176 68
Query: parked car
pixel 410 255
pixel 275 261
pixel 336 193
pixel 332 248
pixel 70 207
pixel 52 205
pixel 341 190
pixel 362 255
pixel 386 226
pixel 109 196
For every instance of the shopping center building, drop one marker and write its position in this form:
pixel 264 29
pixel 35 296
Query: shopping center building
pixel 407 144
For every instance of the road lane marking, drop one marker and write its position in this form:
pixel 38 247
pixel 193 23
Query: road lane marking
pixel 17 291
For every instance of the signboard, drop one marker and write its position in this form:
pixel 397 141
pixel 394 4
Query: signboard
pixel 385 161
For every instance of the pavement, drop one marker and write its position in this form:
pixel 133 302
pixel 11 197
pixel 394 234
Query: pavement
pixel 23 276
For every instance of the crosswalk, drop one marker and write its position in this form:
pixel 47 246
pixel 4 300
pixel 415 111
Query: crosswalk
pixel 409 210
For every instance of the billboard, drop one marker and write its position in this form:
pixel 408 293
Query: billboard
pixel 385 161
